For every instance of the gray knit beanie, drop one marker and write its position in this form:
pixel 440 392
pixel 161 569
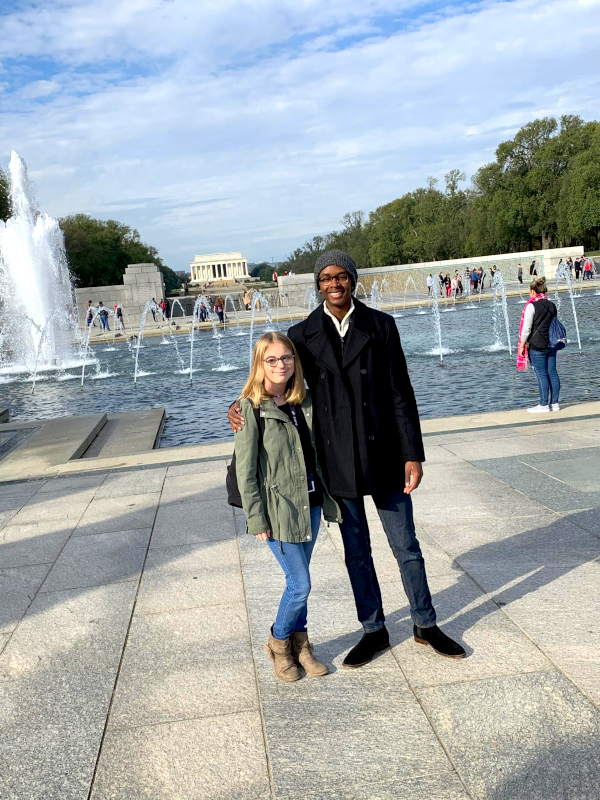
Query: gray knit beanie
pixel 339 259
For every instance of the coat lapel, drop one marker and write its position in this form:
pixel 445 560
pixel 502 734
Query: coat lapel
pixel 358 335
pixel 318 342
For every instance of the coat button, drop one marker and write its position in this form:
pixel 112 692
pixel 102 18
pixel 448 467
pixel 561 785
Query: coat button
pixel 372 438
pixel 363 372
pixel 326 409
pixel 323 375
pixel 366 405
pixel 328 442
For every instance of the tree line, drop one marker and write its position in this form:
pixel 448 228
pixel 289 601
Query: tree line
pixel 541 191
pixel 98 251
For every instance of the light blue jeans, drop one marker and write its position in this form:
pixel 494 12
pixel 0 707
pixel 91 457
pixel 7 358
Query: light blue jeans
pixel 294 560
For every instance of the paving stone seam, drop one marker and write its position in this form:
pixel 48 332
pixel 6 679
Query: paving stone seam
pixel 432 726
pixel 175 720
pixel 546 475
pixel 123 649
pixel 179 546
pixel 253 646
pixel 360 785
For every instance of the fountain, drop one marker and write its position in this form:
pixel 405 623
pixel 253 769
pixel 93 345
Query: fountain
pixel 410 280
pixel 310 299
pixel 360 292
pixel 375 296
pixel 384 284
pixel 500 303
pixel 437 321
pixel 150 306
pixel 257 297
pixel 35 285
pixel 235 313
pixel 563 272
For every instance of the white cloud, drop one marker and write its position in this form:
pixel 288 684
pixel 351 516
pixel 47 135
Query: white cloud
pixel 241 142
pixel 37 89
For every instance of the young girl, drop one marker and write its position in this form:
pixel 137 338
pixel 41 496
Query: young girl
pixel 282 490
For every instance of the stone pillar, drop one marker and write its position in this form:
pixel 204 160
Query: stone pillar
pixel 214 274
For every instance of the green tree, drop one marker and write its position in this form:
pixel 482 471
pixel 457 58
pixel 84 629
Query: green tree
pixel 99 251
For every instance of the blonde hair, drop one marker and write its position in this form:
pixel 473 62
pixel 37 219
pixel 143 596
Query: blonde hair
pixel 538 285
pixel 254 389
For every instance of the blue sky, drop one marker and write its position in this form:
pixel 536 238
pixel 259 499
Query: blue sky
pixel 225 125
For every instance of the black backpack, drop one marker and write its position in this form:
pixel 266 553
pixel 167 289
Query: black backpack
pixel 233 492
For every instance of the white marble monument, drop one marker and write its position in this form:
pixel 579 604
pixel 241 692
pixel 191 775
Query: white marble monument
pixel 218 268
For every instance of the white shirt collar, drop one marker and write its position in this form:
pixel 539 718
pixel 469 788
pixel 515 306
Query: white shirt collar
pixel 341 327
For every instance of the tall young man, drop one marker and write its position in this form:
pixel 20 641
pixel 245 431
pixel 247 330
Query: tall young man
pixel 369 441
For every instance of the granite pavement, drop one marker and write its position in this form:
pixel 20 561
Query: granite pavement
pixel 133 608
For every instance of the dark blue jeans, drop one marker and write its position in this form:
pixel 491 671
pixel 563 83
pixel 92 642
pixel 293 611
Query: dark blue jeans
pixel 395 513
pixel 544 366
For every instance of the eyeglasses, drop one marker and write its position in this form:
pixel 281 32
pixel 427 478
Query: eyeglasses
pixel 272 361
pixel 342 279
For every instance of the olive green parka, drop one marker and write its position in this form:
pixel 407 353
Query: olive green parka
pixel 272 481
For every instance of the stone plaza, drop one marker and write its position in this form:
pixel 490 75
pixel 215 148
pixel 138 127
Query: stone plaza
pixel 134 608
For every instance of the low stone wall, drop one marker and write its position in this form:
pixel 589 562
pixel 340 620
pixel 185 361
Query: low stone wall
pixel 295 287
pixel 141 282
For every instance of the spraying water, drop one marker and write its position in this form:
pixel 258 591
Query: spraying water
pixel 563 272
pixel 437 321
pixel 150 306
pixel 411 280
pixel 258 298
pixel 35 284
pixel 500 300
pixel 235 313
pixel 310 299
pixel 375 296
pixel 385 284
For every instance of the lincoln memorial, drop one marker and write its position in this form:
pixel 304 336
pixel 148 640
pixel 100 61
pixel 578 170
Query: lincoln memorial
pixel 218 267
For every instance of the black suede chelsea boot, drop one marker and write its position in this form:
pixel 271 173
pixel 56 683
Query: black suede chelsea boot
pixel 364 651
pixel 442 644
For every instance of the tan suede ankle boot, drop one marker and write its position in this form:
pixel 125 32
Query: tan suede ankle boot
pixel 302 651
pixel 280 653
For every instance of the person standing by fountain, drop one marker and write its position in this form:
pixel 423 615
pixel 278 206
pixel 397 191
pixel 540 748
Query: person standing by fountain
pixel 534 337
pixel 283 495
pixel 103 316
pixel 220 309
pixel 429 285
pixel 369 442
pixel 520 274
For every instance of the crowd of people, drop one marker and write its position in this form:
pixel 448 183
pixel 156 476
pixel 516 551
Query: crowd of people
pixel 582 266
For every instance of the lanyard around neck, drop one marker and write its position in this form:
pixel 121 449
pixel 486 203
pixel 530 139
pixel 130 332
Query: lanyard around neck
pixel 294 416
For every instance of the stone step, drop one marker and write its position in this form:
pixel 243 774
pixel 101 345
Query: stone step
pixel 4 415
pixel 128 433
pixel 55 442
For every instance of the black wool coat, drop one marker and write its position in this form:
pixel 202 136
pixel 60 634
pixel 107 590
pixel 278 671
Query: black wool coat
pixel 365 412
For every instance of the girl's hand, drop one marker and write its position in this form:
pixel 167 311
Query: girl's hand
pixel 262 536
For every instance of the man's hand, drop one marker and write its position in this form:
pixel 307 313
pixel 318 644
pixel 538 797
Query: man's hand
pixel 522 346
pixel 236 421
pixel 413 474
pixel 264 536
